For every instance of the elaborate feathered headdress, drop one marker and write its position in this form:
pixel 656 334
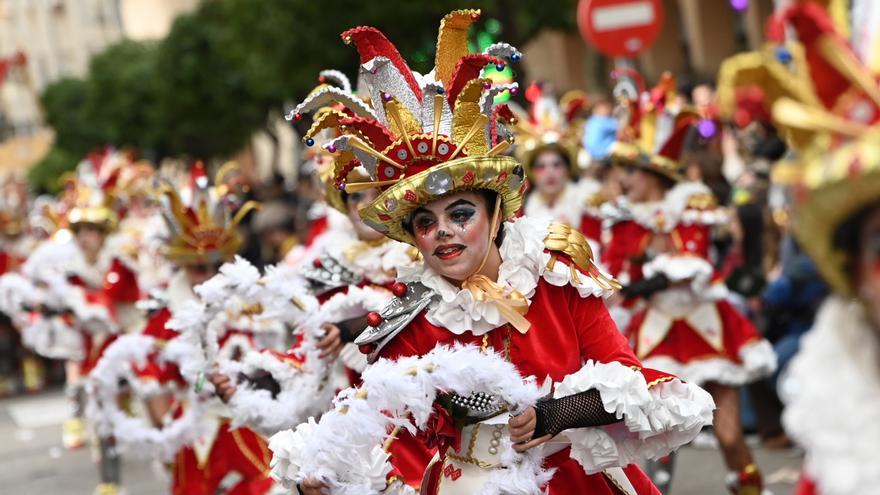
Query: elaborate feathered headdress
pixel 826 101
pixel 423 136
pixel 203 220
pixel 551 124
pixel 653 129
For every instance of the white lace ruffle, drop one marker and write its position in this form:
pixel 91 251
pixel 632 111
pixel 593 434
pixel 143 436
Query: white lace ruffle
pixel 569 208
pixel 834 411
pixel 523 263
pixel 672 209
pixel 758 361
pixel 656 420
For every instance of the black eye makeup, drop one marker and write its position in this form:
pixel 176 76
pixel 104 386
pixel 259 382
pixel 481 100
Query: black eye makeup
pixel 423 222
pixel 462 215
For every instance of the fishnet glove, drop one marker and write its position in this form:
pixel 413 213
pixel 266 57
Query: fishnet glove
pixel 580 410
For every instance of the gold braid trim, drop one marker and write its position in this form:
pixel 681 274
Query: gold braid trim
pixel 249 454
pixel 572 243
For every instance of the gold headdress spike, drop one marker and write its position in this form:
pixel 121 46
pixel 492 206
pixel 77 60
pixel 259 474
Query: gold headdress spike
pixel 827 102
pixel 418 126
pixel 203 222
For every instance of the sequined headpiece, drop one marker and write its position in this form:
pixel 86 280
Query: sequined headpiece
pixel 203 220
pixel 826 101
pixel 653 129
pixel 551 124
pixel 424 136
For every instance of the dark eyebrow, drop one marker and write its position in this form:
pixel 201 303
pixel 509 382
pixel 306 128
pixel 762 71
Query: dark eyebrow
pixel 459 202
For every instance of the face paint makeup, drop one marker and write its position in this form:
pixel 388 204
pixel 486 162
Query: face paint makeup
pixel 452 234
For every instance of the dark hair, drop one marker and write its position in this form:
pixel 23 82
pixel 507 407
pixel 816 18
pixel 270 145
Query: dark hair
pixel 751 218
pixel 555 148
pixel 489 196
pixel 848 237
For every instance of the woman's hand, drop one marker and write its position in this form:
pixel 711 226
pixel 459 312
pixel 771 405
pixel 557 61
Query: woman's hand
pixel 313 487
pixel 223 386
pixel 331 343
pixel 522 428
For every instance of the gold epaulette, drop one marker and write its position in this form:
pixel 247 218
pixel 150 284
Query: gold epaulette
pixel 572 243
pixel 702 201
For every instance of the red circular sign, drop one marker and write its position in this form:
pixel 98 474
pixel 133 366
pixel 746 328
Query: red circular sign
pixel 620 28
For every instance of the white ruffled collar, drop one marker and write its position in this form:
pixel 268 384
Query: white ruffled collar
pixel 834 408
pixel 377 263
pixel 523 262
pixel 570 206
pixel 666 214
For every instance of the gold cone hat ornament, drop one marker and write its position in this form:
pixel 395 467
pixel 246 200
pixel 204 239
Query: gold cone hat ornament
pixel 203 219
pixel 653 126
pixel 551 124
pixel 423 136
pixel 826 101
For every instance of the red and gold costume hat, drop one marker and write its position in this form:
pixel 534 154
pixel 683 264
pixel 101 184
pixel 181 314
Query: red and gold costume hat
pixel 424 136
pixel 203 222
pixel 322 159
pixel 93 190
pixel 827 103
pixel 653 130
pixel 551 124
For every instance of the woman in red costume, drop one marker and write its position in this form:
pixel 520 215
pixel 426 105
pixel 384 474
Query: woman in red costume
pixel 526 291
pixel 662 240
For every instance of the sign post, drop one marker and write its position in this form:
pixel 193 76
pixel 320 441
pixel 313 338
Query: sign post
pixel 620 28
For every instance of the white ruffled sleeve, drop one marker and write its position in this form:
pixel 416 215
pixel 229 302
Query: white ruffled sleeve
pixel 656 418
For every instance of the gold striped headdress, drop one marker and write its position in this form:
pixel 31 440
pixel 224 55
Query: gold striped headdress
pixel 423 136
pixel 203 219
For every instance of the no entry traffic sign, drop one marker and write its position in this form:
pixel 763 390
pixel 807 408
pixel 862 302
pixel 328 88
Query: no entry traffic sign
pixel 620 28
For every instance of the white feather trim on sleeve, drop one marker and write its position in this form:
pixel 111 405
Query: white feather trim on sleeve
pixel 656 420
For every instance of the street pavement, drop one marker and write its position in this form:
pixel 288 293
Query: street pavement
pixel 32 461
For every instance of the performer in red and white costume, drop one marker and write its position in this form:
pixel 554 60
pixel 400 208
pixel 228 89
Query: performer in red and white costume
pixel 662 244
pixel 524 295
pixel 350 268
pixel 187 427
pixel 833 382
pixel 548 144
pixel 87 289
pixel 20 367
